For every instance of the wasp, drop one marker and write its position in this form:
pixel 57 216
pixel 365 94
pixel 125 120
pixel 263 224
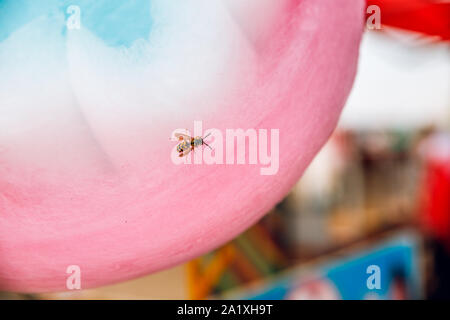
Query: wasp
pixel 188 143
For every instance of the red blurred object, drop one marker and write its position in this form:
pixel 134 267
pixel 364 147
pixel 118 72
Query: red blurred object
pixel 431 17
pixel 436 205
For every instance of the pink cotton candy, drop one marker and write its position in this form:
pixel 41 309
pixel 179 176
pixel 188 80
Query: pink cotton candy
pixel 108 197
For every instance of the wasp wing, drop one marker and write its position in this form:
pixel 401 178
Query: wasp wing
pixel 182 136
pixel 185 152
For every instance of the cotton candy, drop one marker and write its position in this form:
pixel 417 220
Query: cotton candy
pixel 86 172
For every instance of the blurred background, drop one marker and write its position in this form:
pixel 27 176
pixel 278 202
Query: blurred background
pixel 378 194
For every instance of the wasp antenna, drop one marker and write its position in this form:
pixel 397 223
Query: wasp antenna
pixel 207 145
pixel 207 135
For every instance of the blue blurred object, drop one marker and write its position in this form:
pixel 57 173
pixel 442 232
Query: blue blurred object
pixel 398 262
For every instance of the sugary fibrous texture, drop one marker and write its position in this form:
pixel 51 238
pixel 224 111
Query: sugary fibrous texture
pixel 86 175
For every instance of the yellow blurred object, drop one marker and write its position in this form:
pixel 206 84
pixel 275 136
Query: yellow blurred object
pixel 201 280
